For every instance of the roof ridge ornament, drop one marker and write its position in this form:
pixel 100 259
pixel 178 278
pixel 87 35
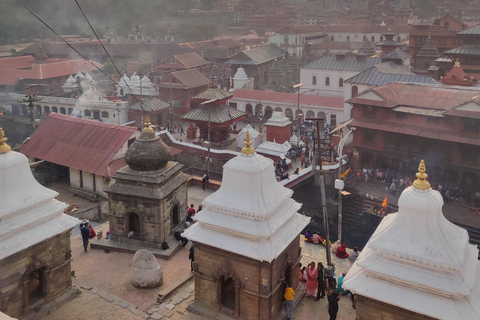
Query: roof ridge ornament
pixel 4 147
pixel 147 124
pixel 457 63
pixel 248 149
pixel 421 183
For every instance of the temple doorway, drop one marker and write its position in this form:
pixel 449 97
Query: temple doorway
pixel 228 293
pixel 134 224
pixel 36 286
pixel 175 216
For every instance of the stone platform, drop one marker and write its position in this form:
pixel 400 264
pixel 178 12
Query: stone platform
pixel 128 247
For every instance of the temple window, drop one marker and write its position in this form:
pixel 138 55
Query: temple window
pixel 471 125
pixel 314 80
pixel 369 112
pixel 327 81
pixel 340 82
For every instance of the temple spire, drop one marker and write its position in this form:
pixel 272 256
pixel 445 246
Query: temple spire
pixel 248 149
pixel 4 147
pixel 147 124
pixel 421 182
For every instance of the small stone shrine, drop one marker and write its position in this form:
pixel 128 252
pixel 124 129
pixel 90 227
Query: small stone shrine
pixel 246 242
pixel 148 200
pixel 279 128
pixel 146 272
pixel 35 251
pixel 417 264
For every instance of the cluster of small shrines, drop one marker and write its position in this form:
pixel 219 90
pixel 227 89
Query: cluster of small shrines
pixel 417 265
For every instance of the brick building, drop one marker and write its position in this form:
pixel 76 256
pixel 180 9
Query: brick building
pixel 399 123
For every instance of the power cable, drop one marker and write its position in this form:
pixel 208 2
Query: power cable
pixel 108 54
pixel 74 49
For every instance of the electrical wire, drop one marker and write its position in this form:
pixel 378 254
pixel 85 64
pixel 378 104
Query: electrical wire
pixel 73 48
pixel 108 54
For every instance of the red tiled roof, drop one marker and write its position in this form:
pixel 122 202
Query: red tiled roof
pixel 305 99
pixel 12 69
pixel 80 144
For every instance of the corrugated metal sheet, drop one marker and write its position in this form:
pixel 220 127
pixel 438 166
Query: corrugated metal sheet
pixel 78 143
pixel 151 104
pixel 473 30
pixel 473 49
pixel 191 78
pixel 386 73
pixel 215 114
pixel 259 55
pixel 265 97
pixel 345 64
pixel 213 93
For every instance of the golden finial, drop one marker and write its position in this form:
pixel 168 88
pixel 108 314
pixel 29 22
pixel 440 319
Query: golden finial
pixel 389 29
pixel 146 125
pixel 429 36
pixel 275 60
pixel 421 182
pixel 248 149
pixel 457 63
pixel 4 147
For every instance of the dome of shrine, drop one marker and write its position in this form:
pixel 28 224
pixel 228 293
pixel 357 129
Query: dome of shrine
pixel 148 152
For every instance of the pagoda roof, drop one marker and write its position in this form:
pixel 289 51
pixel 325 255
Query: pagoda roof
pixel 251 215
pixel 150 105
pixel 218 114
pixel 213 93
pixel 419 261
pixel 428 49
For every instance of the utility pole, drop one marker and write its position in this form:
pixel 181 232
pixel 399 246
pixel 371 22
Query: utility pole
pixel 322 191
pixel 31 99
pixel 340 157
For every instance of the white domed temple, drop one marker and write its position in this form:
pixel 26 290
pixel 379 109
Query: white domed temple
pixel 417 264
pixel 35 251
pixel 246 241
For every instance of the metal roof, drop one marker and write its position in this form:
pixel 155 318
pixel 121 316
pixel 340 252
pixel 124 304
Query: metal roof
pixel 190 78
pixel 80 144
pixel 258 55
pixel 386 73
pixel 212 94
pixel 473 49
pixel 151 105
pixel 343 64
pixel 473 30
pixel 214 113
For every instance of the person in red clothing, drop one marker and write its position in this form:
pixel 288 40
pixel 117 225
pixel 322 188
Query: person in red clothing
pixel 342 252
pixel 191 210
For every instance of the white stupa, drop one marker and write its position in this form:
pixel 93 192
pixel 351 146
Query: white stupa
pixel 79 75
pixel 29 213
pixel 257 138
pixel 251 214
pixel 419 261
pixel 240 79
pixel 135 85
pixel 69 85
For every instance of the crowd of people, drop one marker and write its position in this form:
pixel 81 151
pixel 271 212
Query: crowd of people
pixel 396 182
pixel 319 280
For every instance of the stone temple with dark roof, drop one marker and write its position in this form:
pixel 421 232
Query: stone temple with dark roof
pixel 148 200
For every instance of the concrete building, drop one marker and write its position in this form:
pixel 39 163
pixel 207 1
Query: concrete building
pixel 293 39
pixel 87 106
pixel 263 103
pixel 417 264
pixel 245 242
pixel 373 33
pixel 326 76
pixel 35 253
